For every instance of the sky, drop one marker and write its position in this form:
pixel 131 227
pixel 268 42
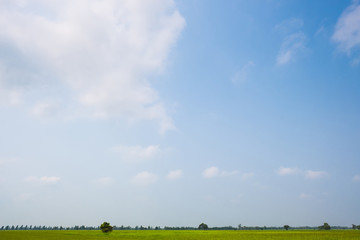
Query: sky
pixel 174 113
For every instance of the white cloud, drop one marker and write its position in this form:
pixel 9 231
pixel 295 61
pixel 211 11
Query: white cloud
pixel 104 181
pixel 43 180
pixel 287 171
pixel 290 48
pixel 144 178
pixel 175 174
pixel 347 29
pixel 356 178
pixel 136 154
pixel 228 174
pixel 211 172
pixel 310 174
pixel 243 74
pixel 101 51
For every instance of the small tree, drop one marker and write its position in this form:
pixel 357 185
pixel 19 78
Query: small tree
pixel 286 227
pixel 203 226
pixel 326 226
pixel 106 227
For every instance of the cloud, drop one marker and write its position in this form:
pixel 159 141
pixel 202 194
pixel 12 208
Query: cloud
pixel 7 161
pixel 305 195
pixel 356 178
pixel 144 179
pixel 104 181
pixel 310 174
pixel 347 29
pixel 294 40
pixel 291 46
pixel 211 172
pixel 45 109
pixel 287 171
pixel 175 174
pixel 102 53
pixel 242 75
pixel 136 154
pixel 43 180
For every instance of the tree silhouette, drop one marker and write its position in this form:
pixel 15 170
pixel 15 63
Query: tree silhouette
pixel 286 227
pixel 106 227
pixel 203 226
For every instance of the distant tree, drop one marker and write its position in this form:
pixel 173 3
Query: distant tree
pixel 239 226
pixel 358 227
pixel 106 227
pixel 326 226
pixel 286 227
pixel 354 226
pixel 203 226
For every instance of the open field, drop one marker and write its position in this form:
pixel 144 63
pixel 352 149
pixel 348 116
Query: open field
pixel 183 234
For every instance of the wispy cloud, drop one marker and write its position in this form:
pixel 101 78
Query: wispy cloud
pixel 104 181
pixel 43 180
pixel 212 172
pixel 176 174
pixel 347 29
pixel 136 154
pixel 294 42
pixel 243 74
pixel 144 178
pixel 310 174
pixel 356 178
pixel 287 171
pixel 305 195
pixel 100 52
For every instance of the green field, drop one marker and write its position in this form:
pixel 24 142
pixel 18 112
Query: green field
pixel 183 234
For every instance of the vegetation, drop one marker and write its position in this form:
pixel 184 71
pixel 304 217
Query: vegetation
pixel 180 235
pixel 106 227
pixel 325 226
pixel 286 227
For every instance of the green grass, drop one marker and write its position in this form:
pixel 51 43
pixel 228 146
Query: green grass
pixel 183 235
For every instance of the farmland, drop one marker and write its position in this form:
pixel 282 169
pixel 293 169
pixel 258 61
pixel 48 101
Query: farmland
pixel 182 234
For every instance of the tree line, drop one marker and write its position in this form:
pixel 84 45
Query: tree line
pixel 202 226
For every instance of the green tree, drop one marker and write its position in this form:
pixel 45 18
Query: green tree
pixel 326 226
pixel 203 226
pixel 286 227
pixel 106 227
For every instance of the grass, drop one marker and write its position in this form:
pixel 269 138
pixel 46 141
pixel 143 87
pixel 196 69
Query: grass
pixel 180 235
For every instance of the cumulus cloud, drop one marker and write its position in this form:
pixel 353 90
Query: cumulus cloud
pixel 310 174
pixel 347 29
pixel 294 42
pixel 287 171
pixel 102 52
pixel 43 180
pixel 144 179
pixel 175 174
pixel 6 161
pixel 136 154
pixel 243 74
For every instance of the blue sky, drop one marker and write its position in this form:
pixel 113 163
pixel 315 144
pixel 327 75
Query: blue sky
pixel 180 112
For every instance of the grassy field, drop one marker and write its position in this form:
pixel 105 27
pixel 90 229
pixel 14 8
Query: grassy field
pixel 184 234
